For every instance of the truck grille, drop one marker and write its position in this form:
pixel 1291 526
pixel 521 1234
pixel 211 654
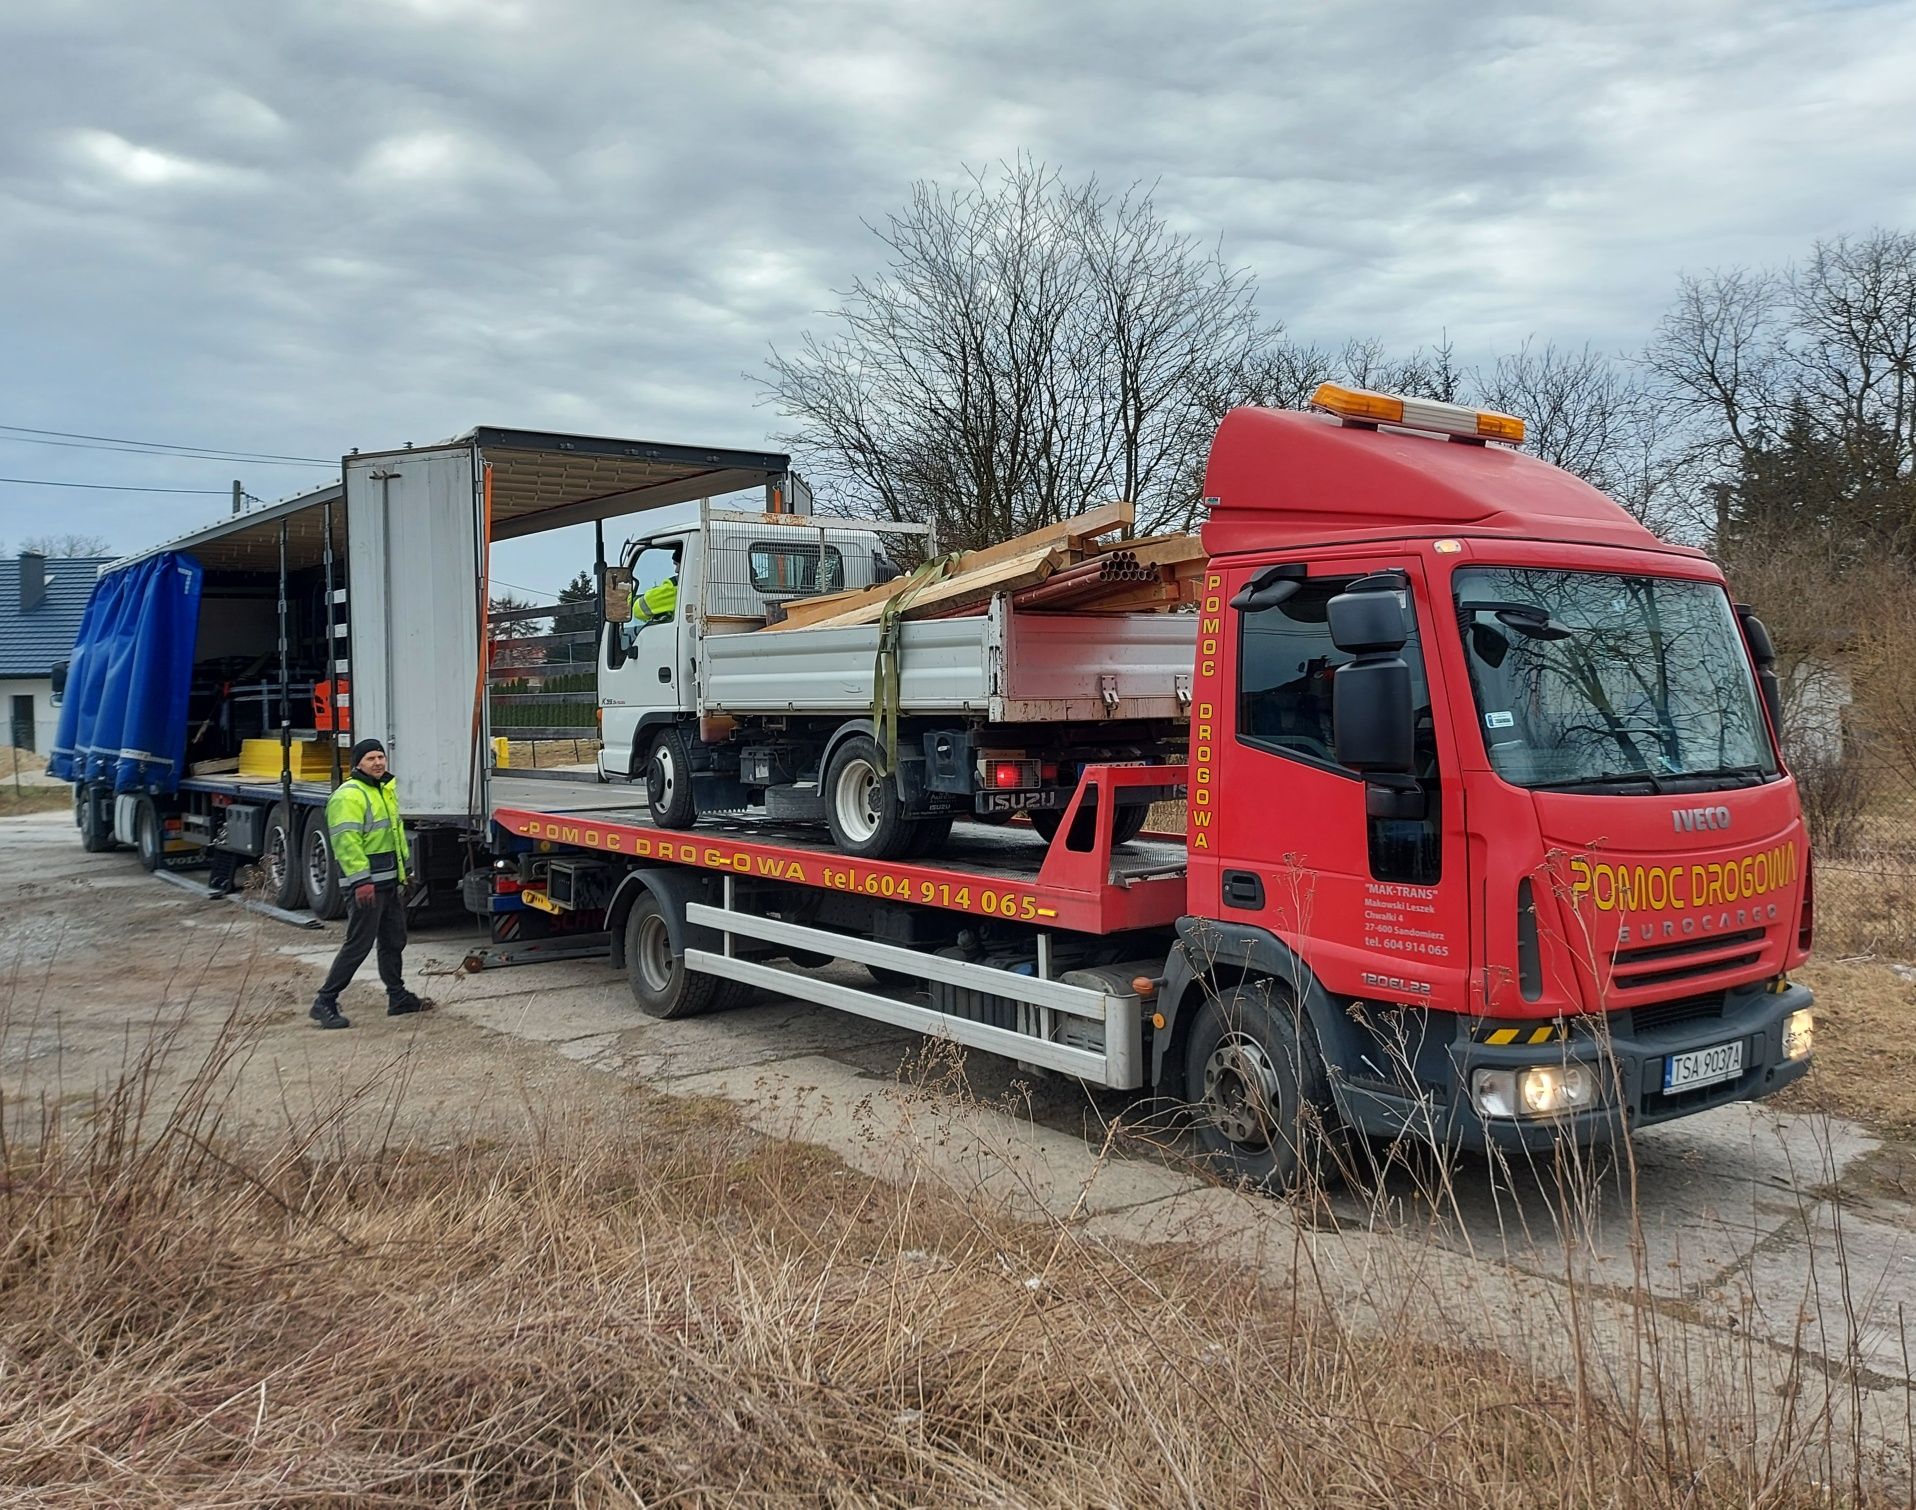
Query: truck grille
pixel 1661 964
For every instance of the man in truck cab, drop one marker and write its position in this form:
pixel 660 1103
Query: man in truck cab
pixel 369 846
pixel 661 602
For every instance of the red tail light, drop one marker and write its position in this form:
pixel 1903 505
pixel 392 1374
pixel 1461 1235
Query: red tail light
pixel 1007 773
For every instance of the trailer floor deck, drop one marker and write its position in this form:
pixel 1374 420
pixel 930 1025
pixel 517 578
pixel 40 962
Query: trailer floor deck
pixel 1006 872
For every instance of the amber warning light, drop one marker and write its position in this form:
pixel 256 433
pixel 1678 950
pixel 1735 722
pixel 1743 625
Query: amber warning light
pixel 1369 408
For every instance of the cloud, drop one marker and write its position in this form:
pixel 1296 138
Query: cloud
pixel 356 222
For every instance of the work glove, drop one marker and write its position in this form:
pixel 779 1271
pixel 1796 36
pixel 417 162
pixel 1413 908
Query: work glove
pixel 364 894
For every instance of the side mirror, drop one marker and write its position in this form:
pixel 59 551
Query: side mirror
pixel 1269 588
pixel 1373 721
pixel 1763 654
pixel 1367 618
pixel 59 679
pixel 615 592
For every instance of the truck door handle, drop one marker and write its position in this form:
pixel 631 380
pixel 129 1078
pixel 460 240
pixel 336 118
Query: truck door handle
pixel 1243 889
pixel 665 673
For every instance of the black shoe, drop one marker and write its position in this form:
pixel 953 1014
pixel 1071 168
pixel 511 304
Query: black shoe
pixel 328 1016
pixel 401 1006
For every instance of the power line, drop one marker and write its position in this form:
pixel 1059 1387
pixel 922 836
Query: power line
pixel 110 487
pixel 138 450
pixel 162 445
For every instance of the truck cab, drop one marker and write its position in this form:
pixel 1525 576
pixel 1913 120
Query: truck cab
pixel 729 574
pixel 1484 777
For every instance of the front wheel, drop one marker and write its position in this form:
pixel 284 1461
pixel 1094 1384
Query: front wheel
pixel 862 807
pixel 1258 1092
pixel 668 781
pixel 655 965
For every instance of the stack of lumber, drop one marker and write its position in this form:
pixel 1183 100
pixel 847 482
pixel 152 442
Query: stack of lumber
pixel 1060 568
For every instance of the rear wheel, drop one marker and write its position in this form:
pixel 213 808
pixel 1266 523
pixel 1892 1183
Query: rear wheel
pixel 149 834
pixel 862 807
pixel 655 965
pixel 1255 1081
pixel 931 834
pixel 1129 824
pixel 318 874
pixel 96 821
pixel 278 862
pixel 668 781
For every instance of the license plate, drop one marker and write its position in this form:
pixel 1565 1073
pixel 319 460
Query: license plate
pixel 1682 1072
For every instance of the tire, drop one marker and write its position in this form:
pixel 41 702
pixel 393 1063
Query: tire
pixel 862 808
pixel 668 781
pixel 149 835
pixel 319 876
pixel 279 858
pixel 1129 824
pixel 1258 1093
pixel 96 822
pixel 932 834
pixel 655 965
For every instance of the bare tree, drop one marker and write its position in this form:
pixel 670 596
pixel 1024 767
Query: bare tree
pixel 1030 348
pixel 67 545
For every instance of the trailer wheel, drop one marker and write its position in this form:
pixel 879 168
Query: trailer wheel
pixel 278 859
pixel 862 807
pixel 655 965
pixel 1130 823
pixel 319 876
pixel 149 835
pixel 1255 1081
pixel 668 781
pixel 96 822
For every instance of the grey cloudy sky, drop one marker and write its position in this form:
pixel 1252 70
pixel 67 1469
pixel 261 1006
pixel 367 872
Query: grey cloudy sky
pixel 299 226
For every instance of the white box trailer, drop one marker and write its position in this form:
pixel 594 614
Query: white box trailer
pixel 378 585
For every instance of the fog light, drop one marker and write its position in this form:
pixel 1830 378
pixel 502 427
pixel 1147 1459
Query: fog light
pixel 1799 1028
pixel 1542 1090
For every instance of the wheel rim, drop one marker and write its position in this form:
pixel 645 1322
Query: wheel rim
pixel 661 778
pixel 855 800
pixel 1240 1092
pixel 319 864
pixel 654 954
pixel 275 858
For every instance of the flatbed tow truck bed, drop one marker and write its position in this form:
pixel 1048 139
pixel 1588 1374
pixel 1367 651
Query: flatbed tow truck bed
pixel 691 906
pixel 1004 872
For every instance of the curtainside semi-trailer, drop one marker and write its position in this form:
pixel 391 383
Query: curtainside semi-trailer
pixel 1488 838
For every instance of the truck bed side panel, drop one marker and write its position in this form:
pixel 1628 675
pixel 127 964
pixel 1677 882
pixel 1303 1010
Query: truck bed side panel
pixel 1009 667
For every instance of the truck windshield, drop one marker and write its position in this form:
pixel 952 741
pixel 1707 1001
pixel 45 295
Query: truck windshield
pixel 1596 680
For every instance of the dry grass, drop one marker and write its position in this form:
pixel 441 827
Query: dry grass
pixel 34 799
pixel 675 1310
pixel 1865 1051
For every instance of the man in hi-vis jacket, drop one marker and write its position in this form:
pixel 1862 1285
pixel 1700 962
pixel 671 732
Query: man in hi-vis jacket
pixel 369 846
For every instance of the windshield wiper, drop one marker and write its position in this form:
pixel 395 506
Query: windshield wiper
pixel 1755 773
pixel 1601 778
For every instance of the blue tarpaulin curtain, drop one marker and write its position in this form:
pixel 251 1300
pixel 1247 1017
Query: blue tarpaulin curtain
pixel 123 719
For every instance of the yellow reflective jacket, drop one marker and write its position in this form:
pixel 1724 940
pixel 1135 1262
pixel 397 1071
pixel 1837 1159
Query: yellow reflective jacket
pixel 369 841
pixel 663 599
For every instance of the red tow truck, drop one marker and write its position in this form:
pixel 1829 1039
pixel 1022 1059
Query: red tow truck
pixel 1488 840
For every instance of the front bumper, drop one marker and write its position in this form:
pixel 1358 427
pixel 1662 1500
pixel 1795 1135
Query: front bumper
pixel 1629 1068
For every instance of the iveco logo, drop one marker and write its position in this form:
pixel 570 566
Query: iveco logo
pixel 1690 820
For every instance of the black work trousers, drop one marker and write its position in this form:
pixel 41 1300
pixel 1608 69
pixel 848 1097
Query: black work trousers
pixel 383 923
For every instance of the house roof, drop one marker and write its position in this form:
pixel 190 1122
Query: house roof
pixel 31 642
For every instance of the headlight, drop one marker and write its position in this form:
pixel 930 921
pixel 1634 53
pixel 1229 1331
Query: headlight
pixel 1541 1090
pixel 1799 1029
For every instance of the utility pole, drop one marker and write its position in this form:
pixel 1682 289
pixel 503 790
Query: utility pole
pixel 239 496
